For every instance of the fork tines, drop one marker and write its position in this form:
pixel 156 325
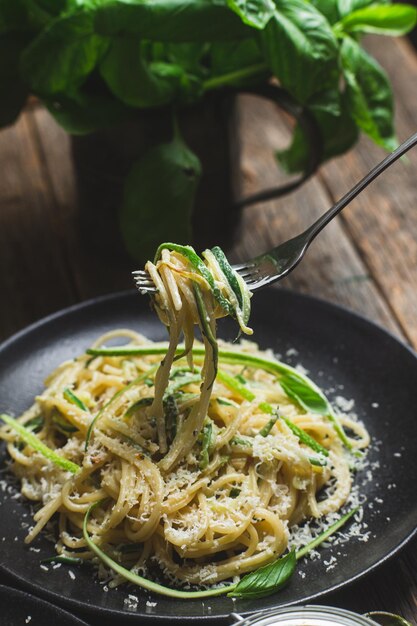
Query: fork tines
pixel 144 282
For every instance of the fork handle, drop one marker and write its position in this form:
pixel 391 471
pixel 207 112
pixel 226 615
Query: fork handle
pixel 318 225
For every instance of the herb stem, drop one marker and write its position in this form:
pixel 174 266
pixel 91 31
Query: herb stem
pixel 231 77
pixel 326 534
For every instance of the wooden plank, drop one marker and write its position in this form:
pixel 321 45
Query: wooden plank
pixel 95 270
pixel 383 220
pixel 331 268
pixel 34 279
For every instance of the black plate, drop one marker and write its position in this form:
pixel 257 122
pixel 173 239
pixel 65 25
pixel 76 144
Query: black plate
pixel 19 608
pixel 340 350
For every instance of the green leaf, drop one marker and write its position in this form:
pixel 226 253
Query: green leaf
pixel 159 198
pixel 190 56
pixel 394 20
pixel 63 55
pixel 255 13
pixel 232 56
pixel 257 584
pixel 300 48
pixel 266 580
pixel 368 93
pixel 130 77
pixel 304 394
pixel 329 9
pixel 345 7
pixel 339 133
pixel 171 20
pixel 328 98
pixel 84 112
pixel 87 4
pixel 13 90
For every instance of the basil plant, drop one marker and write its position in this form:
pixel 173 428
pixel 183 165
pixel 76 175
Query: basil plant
pixel 94 63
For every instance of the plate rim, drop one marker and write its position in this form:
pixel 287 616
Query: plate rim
pixel 100 611
pixel 116 295
pixel 20 593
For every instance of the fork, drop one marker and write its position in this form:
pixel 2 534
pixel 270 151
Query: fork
pixel 273 265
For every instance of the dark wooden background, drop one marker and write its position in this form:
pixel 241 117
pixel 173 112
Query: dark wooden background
pixel 365 260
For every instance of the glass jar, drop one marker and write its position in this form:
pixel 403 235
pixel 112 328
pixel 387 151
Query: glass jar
pixel 310 615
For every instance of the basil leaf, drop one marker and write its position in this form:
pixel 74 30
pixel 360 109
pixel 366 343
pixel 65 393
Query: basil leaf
pixel 339 133
pixel 329 9
pixel 131 78
pixel 300 47
pixel 63 55
pixel 134 578
pixel 231 56
pixel 305 395
pixel 170 20
pixel 395 20
pixel 255 13
pixel 368 92
pixel 162 183
pixel 85 112
pixel 345 7
pixel 190 56
pixel 266 580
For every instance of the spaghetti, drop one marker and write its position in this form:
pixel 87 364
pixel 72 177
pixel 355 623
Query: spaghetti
pixel 194 468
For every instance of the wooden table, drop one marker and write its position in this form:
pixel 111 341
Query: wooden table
pixel 365 260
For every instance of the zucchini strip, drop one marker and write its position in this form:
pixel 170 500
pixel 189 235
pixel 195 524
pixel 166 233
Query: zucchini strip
pixel 265 407
pixel 237 285
pixel 34 442
pixel 140 581
pixel 206 330
pixel 71 397
pixel 193 258
pixel 134 382
pixel 233 357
